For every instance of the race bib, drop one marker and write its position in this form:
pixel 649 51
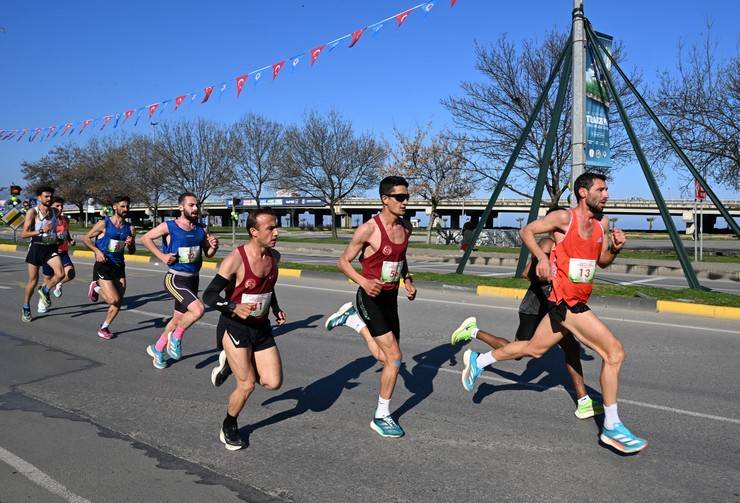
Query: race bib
pixel 581 270
pixel 115 246
pixel 391 272
pixel 261 299
pixel 188 254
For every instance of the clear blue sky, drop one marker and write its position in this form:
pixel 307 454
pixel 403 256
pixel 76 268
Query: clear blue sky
pixel 67 61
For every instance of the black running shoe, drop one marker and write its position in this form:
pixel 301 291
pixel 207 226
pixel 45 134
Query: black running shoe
pixel 231 439
pixel 222 371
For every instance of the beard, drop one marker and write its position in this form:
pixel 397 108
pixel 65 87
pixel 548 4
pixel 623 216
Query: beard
pixel 191 217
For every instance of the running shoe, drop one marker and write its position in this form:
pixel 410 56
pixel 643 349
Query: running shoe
pixel 340 317
pixel 589 409
pixel 174 347
pixel 91 293
pixel 26 314
pixel 231 438
pixel 44 297
pixel 104 333
pixel 158 359
pixel 57 290
pixel 622 439
pixel 464 332
pixel 222 371
pixel 471 371
pixel 41 307
pixel 386 427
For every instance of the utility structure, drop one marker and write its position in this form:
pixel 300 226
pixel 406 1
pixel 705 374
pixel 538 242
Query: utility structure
pixel 571 63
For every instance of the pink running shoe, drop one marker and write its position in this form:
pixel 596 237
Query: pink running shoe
pixel 91 294
pixel 104 333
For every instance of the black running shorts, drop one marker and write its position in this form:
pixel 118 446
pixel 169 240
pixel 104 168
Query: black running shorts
pixel 109 271
pixel 557 311
pixel 184 289
pixel 39 254
pixel 380 313
pixel 257 336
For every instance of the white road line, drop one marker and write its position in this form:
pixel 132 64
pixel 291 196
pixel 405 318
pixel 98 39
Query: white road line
pixel 40 478
pixel 643 280
pixel 3 287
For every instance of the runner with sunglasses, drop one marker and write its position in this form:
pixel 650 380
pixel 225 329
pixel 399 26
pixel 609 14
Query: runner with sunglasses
pixel 381 243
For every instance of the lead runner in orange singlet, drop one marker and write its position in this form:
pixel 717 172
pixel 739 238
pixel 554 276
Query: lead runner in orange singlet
pixel 583 245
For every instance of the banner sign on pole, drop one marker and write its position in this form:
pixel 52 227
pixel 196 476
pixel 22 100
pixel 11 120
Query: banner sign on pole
pixel 597 108
pixel 699 193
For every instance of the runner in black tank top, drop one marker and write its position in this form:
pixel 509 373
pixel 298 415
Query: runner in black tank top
pixel 381 244
pixel 247 276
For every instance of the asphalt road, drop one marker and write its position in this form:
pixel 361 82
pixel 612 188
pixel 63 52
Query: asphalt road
pixel 84 419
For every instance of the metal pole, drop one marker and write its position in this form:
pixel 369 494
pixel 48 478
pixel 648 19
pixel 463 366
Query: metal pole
pixel 701 231
pixel 233 233
pixel 514 155
pixel 695 233
pixel 683 257
pixel 578 133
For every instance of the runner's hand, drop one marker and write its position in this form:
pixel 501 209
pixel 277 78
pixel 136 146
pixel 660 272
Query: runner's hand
pixel 99 257
pixel 169 258
pixel 410 289
pixel 212 240
pixel 543 270
pixel 129 241
pixel 244 310
pixel 280 317
pixel 618 239
pixel 372 287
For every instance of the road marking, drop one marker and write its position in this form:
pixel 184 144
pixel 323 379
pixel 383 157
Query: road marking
pixel 40 478
pixel 643 280
pixel 3 287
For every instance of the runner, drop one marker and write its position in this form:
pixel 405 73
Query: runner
pixel 532 310
pixel 571 269
pixel 40 226
pixel 112 235
pixel 184 242
pixel 65 240
pixel 248 276
pixel 382 241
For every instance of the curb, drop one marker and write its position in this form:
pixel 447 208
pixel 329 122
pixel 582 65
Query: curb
pixel 728 313
pixel 4 247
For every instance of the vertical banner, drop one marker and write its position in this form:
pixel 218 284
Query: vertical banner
pixel 598 100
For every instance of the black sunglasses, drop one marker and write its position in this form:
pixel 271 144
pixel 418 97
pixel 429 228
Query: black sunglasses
pixel 399 197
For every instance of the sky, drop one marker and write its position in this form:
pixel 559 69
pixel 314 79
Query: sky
pixel 68 61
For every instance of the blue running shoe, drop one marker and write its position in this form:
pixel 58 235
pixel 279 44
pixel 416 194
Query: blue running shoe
pixel 340 317
pixel 622 439
pixel 174 347
pixel 386 427
pixel 26 314
pixel 471 371
pixel 157 357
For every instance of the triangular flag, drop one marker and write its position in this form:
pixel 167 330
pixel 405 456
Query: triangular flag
pixel 240 81
pixel 163 106
pixel 207 93
pixel 138 116
pixel 223 87
pixel 179 100
pixel 22 134
pixel 332 45
pixel 452 3
pixel 376 28
pixel 85 123
pixel 66 128
pixel 428 7
pixel 35 133
pixel 10 135
pixel 152 108
pixel 356 36
pixel 400 18
pixel 51 131
pixel 295 61
pixel 315 53
pixel 276 69
pixel 106 120
pixel 126 115
pixel 115 124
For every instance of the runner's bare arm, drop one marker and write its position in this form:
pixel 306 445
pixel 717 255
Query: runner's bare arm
pixel 28 230
pixel 611 246
pixel 131 240
pixel 92 234
pixel 555 221
pixel 546 244
pixel 226 274
pixel 359 239
pixel 147 240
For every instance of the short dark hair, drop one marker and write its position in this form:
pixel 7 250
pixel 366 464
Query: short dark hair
pixel 118 199
pixel 387 184
pixel 586 181
pixel 44 188
pixel 252 217
pixel 184 195
pixel 57 199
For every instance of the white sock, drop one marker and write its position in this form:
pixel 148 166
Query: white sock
pixel 585 398
pixel 105 325
pixel 611 417
pixel 355 322
pixel 474 334
pixel 97 289
pixel 382 410
pixel 485 359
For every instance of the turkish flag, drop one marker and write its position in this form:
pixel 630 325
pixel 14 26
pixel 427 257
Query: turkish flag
pixel 127 115
pixel 315 53
pixel 51 131
pixel 85 123
pixel 452 3
pixel 207 93
pixel 356 36
pixel 106 120
pixel 22 134
pixel 35 133
pixel 179 100
pixel 276 69
pixel 400 18
pixel 240 81
pixel 66 128
pixel 152 108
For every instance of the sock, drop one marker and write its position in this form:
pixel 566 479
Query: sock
pixel 178 333
pixel 97 289
pixel 27 306
pixel 105 325
pixel 474 334
pixel 355 322
pixel 485 359
pixel 161 343
pixel 229 420
pixel 45 289
pixel 584 399
pixel 382 410
pixel 611 417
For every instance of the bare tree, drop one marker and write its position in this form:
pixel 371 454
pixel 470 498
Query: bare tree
pixel 105 161
pixel 198 156
pixel 144 163
pixel 257 149
pixel 437 169
pixel 492 113
pixel 325 159
pixel 699 104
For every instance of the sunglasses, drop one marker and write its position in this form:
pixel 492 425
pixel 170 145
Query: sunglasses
pixel 399 197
